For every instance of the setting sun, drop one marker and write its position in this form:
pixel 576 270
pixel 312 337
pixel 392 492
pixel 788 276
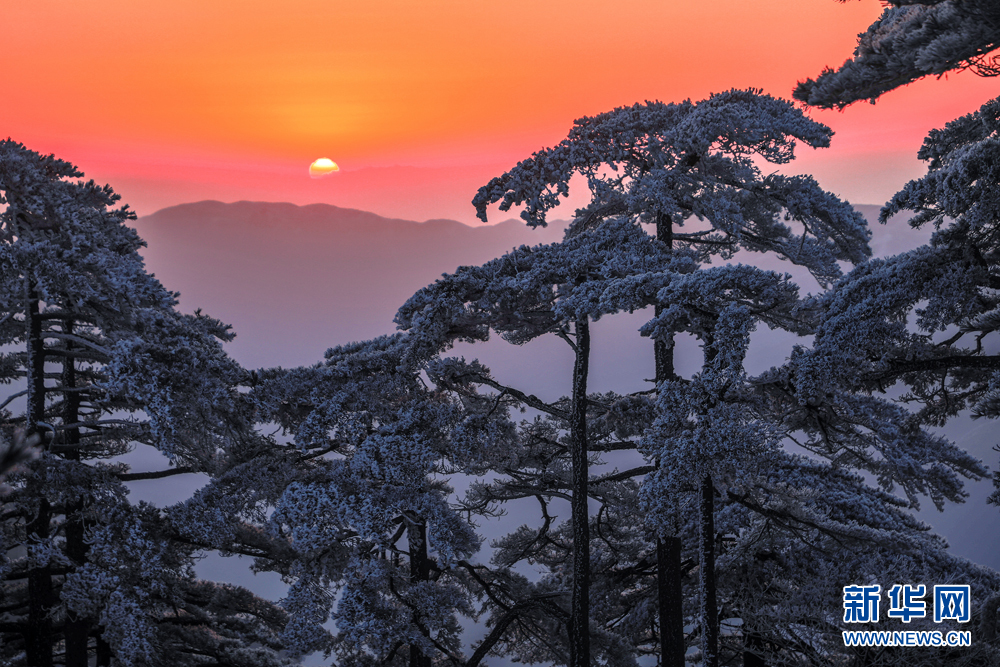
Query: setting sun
pixel 322 167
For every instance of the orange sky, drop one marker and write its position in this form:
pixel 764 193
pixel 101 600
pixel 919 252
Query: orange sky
pixel 172 102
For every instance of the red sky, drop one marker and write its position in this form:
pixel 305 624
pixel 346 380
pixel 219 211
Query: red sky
pixel 419 103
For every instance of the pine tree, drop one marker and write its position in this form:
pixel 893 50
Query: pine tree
pixel 546 290
pixel 912 39
pixel 727 441
pixel 692 163
pixel 943 375
pixel 924 318
pixel 362 505
pixel 670 164
pixel 106 364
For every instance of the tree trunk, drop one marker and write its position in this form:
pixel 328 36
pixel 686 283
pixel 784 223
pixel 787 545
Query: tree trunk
pixel 709 605
pixel 35 362
pixel 420 570
pixel 752 645
pixel 579 622
pixel 670 599
pixel 77 629
pixel 103 651
pixel 670 595
pixel 38 636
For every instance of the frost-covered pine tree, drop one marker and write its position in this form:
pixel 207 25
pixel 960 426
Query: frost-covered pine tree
pixel 912 39
pixel 711 432
pixel 554 290
pixel 772 457
pixel 954 272
pixel 362 505
pixel 694 165
pixel 689 164
pixel 923 318
pixel 104 362
pixel 927 318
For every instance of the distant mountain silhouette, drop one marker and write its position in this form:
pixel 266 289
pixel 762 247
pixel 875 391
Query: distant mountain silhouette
pixel 318 275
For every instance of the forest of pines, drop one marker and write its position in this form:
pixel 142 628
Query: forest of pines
pixel 749 503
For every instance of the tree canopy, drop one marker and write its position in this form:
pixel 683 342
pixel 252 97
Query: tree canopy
pixel 912 39
pixel 690 163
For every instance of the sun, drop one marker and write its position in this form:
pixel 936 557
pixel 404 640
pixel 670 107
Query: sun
pixel 322 167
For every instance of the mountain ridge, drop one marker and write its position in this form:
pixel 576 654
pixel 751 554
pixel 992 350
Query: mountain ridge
pixel 341 273
pixel 870 211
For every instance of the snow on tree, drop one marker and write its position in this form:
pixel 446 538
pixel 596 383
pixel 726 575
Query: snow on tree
pixel 675 164
pixel 919 319
pixel 694 164
pixel 548 290
pixel 107 363
pixel 810 529
pixel 706 435
pixel 363 506
pixel 773 505
pixel 925 318
pixel 726 443
pixel 926 314
pixel 912 39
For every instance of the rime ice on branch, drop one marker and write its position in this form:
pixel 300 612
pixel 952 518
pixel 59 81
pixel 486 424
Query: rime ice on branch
pixel 363 505
pixel 695 164
pixel 556 290
pixel 928 318
pixel 911 40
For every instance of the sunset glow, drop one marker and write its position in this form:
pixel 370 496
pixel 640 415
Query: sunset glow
pixel 162 99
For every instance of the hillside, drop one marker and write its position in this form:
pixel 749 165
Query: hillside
pixel 332 274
